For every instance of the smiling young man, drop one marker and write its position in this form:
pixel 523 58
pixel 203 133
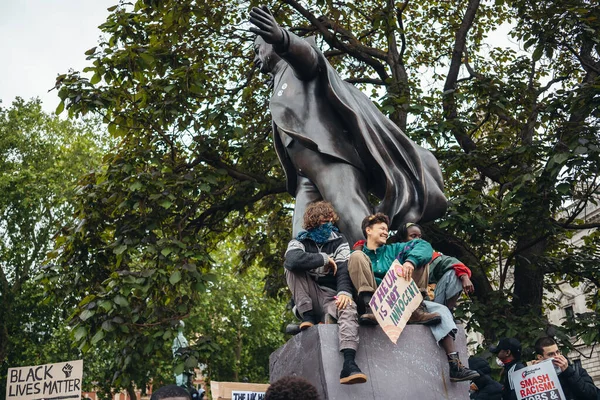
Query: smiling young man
pixel 575 381
pixel 368 266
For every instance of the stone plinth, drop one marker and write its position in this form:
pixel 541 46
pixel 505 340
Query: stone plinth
pixel 414 368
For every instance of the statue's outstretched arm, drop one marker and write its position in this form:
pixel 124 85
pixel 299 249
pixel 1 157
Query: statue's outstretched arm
pixel 298 53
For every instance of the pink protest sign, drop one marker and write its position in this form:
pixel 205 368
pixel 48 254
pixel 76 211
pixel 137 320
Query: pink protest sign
pixel 394 302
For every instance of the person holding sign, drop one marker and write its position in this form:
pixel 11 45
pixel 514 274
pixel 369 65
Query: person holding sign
pixel 575 381
pixel 316 272
pixel 368 266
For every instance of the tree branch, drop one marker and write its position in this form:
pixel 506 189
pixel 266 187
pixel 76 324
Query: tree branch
pixel 399 12
pixel 362 53
pixel 229 206
pixel 579 226
pixel 372 81
pixel 552 82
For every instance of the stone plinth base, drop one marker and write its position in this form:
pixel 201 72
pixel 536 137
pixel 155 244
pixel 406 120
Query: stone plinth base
pixel 414 368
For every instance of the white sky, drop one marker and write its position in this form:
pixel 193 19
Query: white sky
pixel 41 39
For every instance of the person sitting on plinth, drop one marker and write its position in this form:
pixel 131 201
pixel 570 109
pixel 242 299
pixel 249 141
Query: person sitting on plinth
pixel 316 272
pixel 368 266
pixel 450 276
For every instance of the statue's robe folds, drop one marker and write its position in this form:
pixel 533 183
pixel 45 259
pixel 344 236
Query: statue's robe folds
pixel 313 105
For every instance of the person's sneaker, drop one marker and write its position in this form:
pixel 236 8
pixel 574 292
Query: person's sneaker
pixel 458 372
pixel 422 317
pixel 351 374
pixel 368 318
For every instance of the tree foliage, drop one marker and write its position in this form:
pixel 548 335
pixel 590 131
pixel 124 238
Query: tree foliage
pixel 515 131
pixel 237 317
pixel 41 158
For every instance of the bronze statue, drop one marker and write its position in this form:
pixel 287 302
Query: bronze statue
pixel 335 144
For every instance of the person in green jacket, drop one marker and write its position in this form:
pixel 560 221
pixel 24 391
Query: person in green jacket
pixel 369 263
pixel 449 274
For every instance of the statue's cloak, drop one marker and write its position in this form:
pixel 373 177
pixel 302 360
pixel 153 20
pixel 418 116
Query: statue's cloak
pixel 403 175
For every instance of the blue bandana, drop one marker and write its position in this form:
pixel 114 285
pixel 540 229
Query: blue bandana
pixel 320 234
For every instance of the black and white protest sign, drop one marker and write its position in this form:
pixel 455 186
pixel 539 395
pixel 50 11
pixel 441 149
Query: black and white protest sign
pixel 244 395
pixel 48 382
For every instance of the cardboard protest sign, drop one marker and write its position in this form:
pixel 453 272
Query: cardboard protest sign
pixel 537 382
pixel 49 381
pixel 242 395
pixel 394 302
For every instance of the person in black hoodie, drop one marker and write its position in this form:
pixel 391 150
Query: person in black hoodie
pixel 575 381
pixel 316 271
pixel 508 353
pixel 484 387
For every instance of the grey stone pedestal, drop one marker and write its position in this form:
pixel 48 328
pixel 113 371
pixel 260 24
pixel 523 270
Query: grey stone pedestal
pixel 414 368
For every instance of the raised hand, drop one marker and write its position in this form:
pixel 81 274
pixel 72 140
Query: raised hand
pixel 265 25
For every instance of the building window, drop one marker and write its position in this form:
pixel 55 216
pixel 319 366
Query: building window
pixel 569 314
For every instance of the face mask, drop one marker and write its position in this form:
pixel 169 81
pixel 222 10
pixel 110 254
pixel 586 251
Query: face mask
pixel 499 362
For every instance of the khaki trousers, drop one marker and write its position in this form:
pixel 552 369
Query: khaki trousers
pixel 361 274
pixel 308 295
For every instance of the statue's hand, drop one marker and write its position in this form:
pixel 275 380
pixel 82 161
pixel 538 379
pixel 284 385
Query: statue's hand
pixel 265 24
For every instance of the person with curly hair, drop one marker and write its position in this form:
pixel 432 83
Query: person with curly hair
pixel 291 388
pixel 316 272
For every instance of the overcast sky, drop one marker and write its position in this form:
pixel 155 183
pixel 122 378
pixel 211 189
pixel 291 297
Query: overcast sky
pixel 40 39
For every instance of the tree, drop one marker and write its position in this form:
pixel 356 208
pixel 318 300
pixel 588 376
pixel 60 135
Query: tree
pixel 515 134
pixel 41 158
pixel 237 316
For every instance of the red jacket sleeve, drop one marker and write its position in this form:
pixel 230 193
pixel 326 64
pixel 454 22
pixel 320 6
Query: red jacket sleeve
pixel 461 269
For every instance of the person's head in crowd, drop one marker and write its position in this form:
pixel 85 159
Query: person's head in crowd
pixel 507 350
pixel 317 214
pixel 171 392
pixel 480 365
pixel 196 394
pixel 375 228
pixel 545 348
pixel 410 231
pixel 291 388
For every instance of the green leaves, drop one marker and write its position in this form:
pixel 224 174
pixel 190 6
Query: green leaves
pixel 175 277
